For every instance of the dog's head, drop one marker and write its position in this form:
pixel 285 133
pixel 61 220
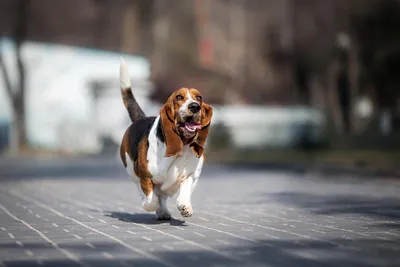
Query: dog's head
pixel 185 120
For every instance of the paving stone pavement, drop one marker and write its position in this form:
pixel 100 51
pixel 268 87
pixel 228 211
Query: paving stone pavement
pixel 86 212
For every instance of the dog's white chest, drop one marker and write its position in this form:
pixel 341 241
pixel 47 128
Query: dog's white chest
pixel 168 172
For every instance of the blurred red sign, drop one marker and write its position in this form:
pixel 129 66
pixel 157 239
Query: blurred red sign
pixel 206 51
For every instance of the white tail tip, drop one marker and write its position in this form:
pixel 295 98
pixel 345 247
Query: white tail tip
pixel 124 80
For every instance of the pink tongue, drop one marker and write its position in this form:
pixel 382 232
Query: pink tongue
pixel 192 126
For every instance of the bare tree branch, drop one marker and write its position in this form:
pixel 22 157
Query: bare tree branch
pixel 6 77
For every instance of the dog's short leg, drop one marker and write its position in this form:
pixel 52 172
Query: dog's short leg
pixel 184 199
pixel 194 183
pixel 162 213
pixel 150 201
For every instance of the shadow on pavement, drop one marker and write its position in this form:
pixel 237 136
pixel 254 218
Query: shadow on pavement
pixel 142 218
pixel 312 253
pixel 385 208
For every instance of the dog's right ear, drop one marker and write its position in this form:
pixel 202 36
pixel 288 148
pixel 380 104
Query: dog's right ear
pixel 199 143
pixel 172 140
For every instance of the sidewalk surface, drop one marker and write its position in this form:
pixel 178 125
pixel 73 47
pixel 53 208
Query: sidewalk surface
pixel 85 212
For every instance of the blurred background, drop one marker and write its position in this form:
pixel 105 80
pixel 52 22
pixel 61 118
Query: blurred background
pixel 291 81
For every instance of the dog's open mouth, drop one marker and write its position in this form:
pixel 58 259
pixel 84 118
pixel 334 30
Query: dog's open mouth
pixel 190 126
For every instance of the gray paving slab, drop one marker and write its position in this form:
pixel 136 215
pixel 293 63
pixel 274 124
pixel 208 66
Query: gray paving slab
pixel 81 216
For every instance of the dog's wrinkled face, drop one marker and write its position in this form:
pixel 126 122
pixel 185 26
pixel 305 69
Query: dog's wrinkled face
pixel 185 120
pixel 187 106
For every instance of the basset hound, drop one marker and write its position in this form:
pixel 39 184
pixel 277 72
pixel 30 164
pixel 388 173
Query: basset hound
pixel 164 154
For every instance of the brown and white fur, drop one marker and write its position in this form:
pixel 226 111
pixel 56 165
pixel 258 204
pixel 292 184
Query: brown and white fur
pixel 164 154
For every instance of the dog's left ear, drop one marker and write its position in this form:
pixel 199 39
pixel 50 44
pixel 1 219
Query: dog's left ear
pixel 173 142
pixel 199 142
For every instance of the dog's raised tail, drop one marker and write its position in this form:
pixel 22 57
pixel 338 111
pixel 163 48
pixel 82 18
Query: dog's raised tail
pixel 134 110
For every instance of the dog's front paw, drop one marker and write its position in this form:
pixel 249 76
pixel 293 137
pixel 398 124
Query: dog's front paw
pixel 163 215
pixel 185 209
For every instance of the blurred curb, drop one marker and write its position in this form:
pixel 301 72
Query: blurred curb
pixel 372 164
pixel 56 164
pixel 313 169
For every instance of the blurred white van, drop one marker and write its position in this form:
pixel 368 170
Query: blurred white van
pixel 64 111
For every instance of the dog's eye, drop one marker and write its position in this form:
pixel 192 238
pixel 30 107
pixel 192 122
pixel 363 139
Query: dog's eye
pixel 199 98
pixel 179 98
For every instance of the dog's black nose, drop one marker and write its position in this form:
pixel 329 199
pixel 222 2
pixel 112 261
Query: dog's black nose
pixel 194 107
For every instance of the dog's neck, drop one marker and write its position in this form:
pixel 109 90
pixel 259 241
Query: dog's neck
pixel 187 141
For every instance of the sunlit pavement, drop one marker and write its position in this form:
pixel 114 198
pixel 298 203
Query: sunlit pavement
pixel 85 212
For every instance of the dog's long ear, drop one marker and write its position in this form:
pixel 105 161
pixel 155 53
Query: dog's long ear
pixel 198 144
pixel 172 140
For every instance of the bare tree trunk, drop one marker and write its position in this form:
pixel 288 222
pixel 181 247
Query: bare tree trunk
pixel 236 49
pixel 19 129
pixel 130 29
pixel 13 146
pixel 354 86
pixel 333 97
pixel 17 97
pixel 161 31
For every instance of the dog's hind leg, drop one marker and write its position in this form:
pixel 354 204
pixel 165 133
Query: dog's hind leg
pixel 150 200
